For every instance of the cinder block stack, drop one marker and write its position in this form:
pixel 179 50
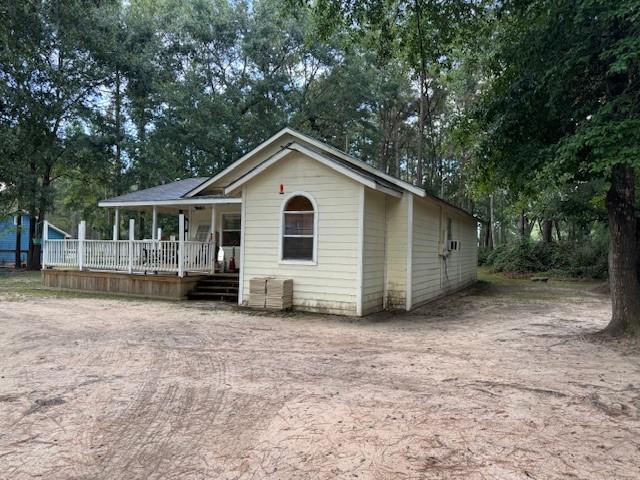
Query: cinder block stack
pixel 271 293
pixel 258 292
pixel 279 294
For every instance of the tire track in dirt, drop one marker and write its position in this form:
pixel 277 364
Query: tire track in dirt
pixel 153 435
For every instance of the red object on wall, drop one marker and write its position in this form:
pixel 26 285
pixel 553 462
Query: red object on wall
pixel 281 189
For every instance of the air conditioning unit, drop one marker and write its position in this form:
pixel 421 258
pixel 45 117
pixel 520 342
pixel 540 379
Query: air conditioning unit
pixel 453 245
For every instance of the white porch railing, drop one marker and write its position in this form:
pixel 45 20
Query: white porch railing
pixel 132 256
pixel 148 256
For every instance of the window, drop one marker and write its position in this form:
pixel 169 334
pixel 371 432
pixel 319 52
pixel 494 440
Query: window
pixel 202 233
pixel 298 233
pixel 231 230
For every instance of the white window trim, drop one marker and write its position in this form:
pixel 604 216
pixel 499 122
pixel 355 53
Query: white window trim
pixel 314 260
pixel 222 229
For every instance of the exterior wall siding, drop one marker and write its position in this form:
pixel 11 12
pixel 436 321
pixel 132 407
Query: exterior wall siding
pixel 433 276
pixel 396 247
pixel 330 285
pixel 8 239
pixel 373 276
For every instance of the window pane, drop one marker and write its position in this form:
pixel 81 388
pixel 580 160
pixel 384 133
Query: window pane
pixel 298 223
pixel 297 248
pixel 299 204
pixel 231 222
pixel 202 234
pixel 231 239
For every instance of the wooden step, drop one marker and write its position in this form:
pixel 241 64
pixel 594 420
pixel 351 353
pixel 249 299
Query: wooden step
pixel 213 296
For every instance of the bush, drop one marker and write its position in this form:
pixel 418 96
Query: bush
pixel 586 260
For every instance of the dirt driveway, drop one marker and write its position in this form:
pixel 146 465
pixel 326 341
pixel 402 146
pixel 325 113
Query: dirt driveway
pixel 500 381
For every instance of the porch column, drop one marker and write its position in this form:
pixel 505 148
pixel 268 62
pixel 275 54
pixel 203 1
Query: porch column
pixel 116 225
pixel 181 245
pixel 82 231
pixel 154 224
pixel 212 241
pixel 132 236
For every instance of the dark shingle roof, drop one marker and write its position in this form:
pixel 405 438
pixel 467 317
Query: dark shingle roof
pixel 168 191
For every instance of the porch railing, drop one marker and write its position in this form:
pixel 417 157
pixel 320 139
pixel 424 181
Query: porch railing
pixel 132 256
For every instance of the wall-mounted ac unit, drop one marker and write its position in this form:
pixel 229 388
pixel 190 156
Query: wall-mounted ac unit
pixel 453 245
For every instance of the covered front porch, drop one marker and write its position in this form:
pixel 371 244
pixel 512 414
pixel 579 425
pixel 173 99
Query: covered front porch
pixel 200 240
pixel 206 241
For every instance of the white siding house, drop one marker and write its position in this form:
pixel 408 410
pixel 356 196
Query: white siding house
pixel 353 239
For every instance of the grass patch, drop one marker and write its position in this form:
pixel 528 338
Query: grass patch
pixel 17 285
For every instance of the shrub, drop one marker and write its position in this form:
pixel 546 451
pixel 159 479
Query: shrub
pixel 587 259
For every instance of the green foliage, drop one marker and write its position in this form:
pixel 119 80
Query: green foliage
pixel 566 259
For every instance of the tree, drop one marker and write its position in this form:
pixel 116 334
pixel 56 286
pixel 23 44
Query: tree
pixel 47 81
pixel 563 104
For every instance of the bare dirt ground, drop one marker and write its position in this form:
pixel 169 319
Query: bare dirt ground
pixel 500 381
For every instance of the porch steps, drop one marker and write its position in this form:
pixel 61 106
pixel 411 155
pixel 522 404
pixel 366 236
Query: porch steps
pixel 219 287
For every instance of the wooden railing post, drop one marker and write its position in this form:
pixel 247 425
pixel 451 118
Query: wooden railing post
pixel 82 230
pixel 132 234
pixel 116 225
pixel 181 245
pixel 45 244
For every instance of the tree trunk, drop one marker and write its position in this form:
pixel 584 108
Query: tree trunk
pixel 522 225
pixel 558 233
pixel 492 242
pixel 423 80
pixel 117 113
pixel 32 263
pixel 623 254
pixel 18 240
pixel 546 228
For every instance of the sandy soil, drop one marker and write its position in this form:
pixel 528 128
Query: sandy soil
pixel 501 381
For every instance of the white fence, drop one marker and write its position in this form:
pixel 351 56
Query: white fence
pixel 132 256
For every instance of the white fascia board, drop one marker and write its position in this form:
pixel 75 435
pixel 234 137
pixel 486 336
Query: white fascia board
pixel 177 202
pixel 388 191
pixel 237 163
pixel 299 148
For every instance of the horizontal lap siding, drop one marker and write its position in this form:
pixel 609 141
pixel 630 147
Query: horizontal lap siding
pixel 432 276
pixel 426 243
pixel 329 286
pixel 373 252
pixel 462 264
pixel 396 248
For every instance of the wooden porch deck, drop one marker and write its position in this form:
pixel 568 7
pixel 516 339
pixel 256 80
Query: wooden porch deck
pixel 161 286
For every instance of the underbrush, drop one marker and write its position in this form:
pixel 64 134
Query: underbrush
pixel 575 260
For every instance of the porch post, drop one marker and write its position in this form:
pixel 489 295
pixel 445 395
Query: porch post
pixel 45 239
pixel 181 245
pixel 132 233
pixel 212 241
pixel 82 228
pixel 116 225
pixel 154 223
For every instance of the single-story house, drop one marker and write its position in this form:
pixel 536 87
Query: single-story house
pixel 9 237
pixel 353 239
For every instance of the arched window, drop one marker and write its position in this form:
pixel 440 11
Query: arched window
pixel 299 229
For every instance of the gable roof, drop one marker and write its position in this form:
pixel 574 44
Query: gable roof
pixel 363 168
pixel 185 192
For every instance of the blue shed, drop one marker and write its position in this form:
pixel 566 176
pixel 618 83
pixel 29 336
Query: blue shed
pixel 8 238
